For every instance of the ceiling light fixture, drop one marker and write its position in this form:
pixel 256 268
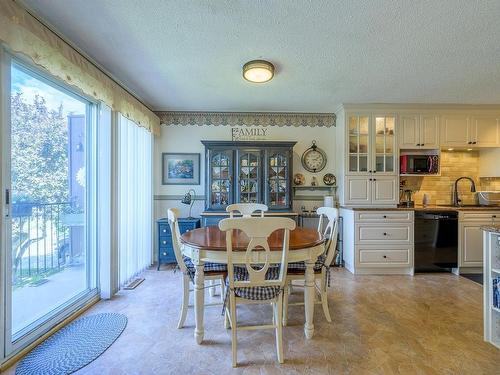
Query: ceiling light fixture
pixel 258 71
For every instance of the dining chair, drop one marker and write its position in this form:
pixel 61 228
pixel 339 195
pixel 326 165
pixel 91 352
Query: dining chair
pixel 246 209
pixel 213 271
pixel 296 271
pixel 251 283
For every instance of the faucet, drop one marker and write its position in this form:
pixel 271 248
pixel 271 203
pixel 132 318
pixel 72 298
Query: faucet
pixel 456 200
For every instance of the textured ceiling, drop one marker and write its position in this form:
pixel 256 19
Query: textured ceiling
pixel 187 55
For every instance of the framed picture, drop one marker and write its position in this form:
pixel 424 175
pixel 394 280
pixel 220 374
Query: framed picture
pixel 180 169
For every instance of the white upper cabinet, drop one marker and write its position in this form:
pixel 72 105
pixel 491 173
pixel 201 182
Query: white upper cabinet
pixel 485 131
pixel 418 131
pixel 455 130
pixel 429 132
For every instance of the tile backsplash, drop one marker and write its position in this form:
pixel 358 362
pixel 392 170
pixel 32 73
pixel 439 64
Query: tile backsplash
pixel 454 164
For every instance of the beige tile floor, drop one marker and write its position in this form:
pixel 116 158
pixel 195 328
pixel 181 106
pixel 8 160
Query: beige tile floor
pixel 427 324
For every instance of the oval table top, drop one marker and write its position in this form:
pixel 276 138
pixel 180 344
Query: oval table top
pixel 212 238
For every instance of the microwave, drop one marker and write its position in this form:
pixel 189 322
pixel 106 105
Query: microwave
pixel 419 164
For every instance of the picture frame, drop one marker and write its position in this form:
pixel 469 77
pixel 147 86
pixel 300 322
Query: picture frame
pixel 180 168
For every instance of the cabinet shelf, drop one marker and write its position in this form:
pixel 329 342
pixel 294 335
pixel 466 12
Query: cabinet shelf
pixel 312 188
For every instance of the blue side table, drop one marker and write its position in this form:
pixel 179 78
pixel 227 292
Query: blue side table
pixel 165 245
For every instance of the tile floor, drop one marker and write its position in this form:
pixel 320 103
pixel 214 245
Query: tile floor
pixel 427 324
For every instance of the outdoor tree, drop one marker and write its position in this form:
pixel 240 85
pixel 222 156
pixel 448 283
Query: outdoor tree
pixel 39 142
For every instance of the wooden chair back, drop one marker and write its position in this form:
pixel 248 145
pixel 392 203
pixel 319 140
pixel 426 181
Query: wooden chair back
pixel 257 230
pixel 330 232
pixel 173 215
pixel 246 209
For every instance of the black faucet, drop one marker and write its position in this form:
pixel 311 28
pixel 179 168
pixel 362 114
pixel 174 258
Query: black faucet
pixel 456 200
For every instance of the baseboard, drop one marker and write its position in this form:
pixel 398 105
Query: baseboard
pixel 470 270
pixel 9 361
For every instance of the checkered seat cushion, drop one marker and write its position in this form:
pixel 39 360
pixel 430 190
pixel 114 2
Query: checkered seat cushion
pixel 256 293
pixel 208 267
pixel 301 266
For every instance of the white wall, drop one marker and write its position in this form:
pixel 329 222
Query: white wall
pixel 179 138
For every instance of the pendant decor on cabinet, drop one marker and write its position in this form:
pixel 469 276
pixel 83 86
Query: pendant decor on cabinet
pixel 313 159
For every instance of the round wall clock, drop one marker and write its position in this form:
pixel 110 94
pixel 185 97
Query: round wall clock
pixel 313 159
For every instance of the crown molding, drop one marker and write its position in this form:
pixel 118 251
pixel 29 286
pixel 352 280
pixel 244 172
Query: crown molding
pixel 247 119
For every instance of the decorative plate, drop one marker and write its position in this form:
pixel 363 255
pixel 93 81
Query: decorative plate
pixel 299 179
pixel 329 179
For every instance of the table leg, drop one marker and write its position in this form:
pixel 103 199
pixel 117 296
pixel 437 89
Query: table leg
pixel 199 301
pixel 309 299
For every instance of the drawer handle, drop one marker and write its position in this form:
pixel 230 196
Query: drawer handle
pixel 385 234
pixel 385 256
pixel 164 253
pixel 385 216
pixel 164 242
pixel 164 230
pixel 493 215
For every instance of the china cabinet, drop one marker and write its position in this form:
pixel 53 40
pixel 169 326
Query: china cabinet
pixel 247 172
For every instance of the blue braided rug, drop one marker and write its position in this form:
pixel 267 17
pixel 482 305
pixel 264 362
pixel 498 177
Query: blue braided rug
pixel 74 346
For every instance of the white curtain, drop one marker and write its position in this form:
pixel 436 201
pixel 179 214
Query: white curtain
pixel 134 199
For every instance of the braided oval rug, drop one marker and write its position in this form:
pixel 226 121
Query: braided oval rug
pixel 74 346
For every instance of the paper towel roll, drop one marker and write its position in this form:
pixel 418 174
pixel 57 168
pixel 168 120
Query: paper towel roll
pixel 328 201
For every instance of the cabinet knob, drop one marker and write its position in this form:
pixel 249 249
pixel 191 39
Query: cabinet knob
pixel 469 143
pixel 385 234
pixel 422 144
pixel 371 179
pixel 493 216
pixel 164 254
pixel 374 179
pixel 164 230
pixel 418 144
pixel 474 142
pixel 385 216
pixel 164 242
pixel 385 256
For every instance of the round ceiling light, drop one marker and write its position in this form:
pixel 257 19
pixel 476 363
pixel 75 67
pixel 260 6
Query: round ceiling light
pixel 258 71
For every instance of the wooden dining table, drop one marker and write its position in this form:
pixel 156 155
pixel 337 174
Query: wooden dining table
pixel 208 244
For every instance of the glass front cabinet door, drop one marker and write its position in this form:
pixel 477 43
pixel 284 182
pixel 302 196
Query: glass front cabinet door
pixel 220 181
pixel 248 172
pixel 278 177
pixel 358 159
pixel 249 176
pixel 385 144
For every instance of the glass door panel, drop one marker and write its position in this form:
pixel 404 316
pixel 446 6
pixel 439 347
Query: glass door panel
pixel 278 175
pixel 220 177
pixel 384 144
pixel 48 188
pixel 249 165
pixel 358 143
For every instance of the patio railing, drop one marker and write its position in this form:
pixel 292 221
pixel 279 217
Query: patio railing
pixel 41 240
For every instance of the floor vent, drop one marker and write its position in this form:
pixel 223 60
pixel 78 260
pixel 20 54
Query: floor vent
pixel 133 284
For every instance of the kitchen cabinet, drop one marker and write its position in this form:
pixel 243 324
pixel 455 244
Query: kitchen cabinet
pixel 371 176
pixel 378 242
pixel 418 131
pixel 470 239
pixel 485 131
pixel 248 172
pixel 455 131
pixel 470 131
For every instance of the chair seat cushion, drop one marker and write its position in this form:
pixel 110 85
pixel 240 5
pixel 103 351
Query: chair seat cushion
pixel 256 293
pixel 301 266
pixel 208 267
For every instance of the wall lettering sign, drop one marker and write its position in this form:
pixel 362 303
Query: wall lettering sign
pixel 248 134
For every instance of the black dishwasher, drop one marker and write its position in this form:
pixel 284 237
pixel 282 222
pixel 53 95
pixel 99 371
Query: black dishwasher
pixel 436 241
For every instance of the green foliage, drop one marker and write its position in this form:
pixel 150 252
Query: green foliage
pixel 39 142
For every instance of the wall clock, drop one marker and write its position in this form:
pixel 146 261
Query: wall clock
pixel 313 159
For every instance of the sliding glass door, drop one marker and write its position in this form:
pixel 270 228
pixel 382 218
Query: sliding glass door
pixel 50 265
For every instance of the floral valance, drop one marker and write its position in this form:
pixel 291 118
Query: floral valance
pixel 247 118
pixel 24 34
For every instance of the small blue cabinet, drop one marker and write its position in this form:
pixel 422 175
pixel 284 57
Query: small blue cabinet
pixel 165 246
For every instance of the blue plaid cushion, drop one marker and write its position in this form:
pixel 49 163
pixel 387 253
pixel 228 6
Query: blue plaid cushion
pixel 256 293
pixel 218 267
pixel 301 266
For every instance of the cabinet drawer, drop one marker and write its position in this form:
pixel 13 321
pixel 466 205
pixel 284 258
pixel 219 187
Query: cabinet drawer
pixel 384 233
pixel 486 216
pixel 384 216
pixel 385 258
pixel 163 230
pixel 165 242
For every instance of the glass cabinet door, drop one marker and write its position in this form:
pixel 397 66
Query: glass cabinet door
pixel 278 188
pixel 249 167
pixel 384 144
pixel 220 179
pixel 358 144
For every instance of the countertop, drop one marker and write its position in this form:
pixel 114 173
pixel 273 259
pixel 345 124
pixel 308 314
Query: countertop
pixel 426 208
pixel 491 228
